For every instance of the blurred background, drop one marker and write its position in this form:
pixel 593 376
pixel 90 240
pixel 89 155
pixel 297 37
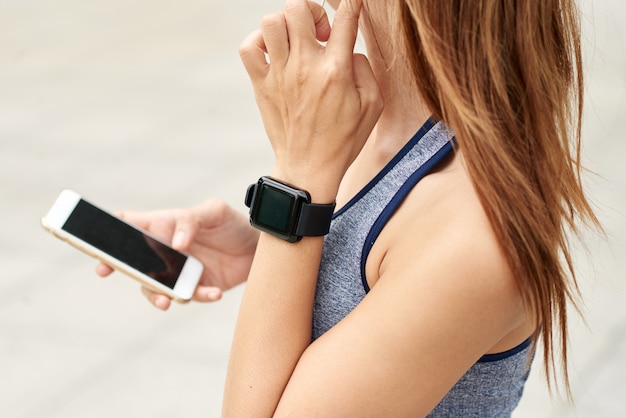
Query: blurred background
pixel 144 104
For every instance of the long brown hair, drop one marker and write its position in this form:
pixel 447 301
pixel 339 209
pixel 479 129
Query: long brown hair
pixel 506 76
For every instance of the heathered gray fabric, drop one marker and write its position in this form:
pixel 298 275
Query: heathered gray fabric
pixel 489 388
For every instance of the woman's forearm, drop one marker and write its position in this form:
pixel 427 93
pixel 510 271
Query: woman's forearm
pixel 274 325
pixel 319 104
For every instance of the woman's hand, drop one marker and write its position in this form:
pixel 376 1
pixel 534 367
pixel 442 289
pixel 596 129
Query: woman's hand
pixel 318 103
pixel 221 238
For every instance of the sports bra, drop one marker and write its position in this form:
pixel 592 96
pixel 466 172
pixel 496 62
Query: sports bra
pixel 493 386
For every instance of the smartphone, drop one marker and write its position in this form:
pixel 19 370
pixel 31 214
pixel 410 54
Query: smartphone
pixel 122 246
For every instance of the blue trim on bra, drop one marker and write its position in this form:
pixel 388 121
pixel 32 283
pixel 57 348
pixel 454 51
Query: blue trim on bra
pixel 395 202
pixel 427 126
pixel 488 358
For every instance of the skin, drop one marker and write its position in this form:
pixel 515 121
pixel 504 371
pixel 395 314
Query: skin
pixel 442 293
pixel 218 235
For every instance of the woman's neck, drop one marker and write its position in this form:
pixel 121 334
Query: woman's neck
pixel 404 112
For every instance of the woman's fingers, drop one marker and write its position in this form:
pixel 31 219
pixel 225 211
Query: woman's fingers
pixel 322 25
pixel 302 23
pixel 307 23
pixel 186 228
pixel 275 38
pixel 202 294
pixel 158 300
pixel 188 222
pixel 207 294
pixel 365 83
pixel 252 52
pixel 345 30
pixel 103 270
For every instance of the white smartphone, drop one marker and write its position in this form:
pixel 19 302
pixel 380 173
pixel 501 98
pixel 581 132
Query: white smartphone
pixel 122 246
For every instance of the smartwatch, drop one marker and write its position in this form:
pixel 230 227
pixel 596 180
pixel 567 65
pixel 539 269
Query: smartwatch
pixel 286 211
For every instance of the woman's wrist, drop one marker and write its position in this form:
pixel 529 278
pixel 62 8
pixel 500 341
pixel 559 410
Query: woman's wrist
pixel 322 188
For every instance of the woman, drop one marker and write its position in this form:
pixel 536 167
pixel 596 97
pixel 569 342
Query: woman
pixel 442 266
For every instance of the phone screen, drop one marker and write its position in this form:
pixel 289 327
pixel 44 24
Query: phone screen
pixel 125 243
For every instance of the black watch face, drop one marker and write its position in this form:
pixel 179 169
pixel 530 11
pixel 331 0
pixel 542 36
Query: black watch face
pixel 276 209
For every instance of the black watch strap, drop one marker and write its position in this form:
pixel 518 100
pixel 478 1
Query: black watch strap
pixel 315 219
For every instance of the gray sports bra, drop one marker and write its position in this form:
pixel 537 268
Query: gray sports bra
pixel 494 385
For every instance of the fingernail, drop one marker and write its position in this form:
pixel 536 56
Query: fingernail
pixel 162 303
pixel 213 294
pixel 179 239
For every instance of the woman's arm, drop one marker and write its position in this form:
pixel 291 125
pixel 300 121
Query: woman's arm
pixel 319 105
pixel 274 325
pixel 434 311
pixel 437 306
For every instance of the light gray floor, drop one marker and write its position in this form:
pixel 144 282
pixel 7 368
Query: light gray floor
pixel 144 104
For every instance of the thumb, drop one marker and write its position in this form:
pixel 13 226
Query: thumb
pixel 206 215
pixel 187 225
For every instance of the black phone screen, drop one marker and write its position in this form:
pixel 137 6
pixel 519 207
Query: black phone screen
pixel 125 243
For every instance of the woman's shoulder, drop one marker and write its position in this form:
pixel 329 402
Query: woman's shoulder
pixel 442 221
pixel 440 245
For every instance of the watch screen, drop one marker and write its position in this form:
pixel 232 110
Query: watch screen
pixel 274 209
pixel 125 243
